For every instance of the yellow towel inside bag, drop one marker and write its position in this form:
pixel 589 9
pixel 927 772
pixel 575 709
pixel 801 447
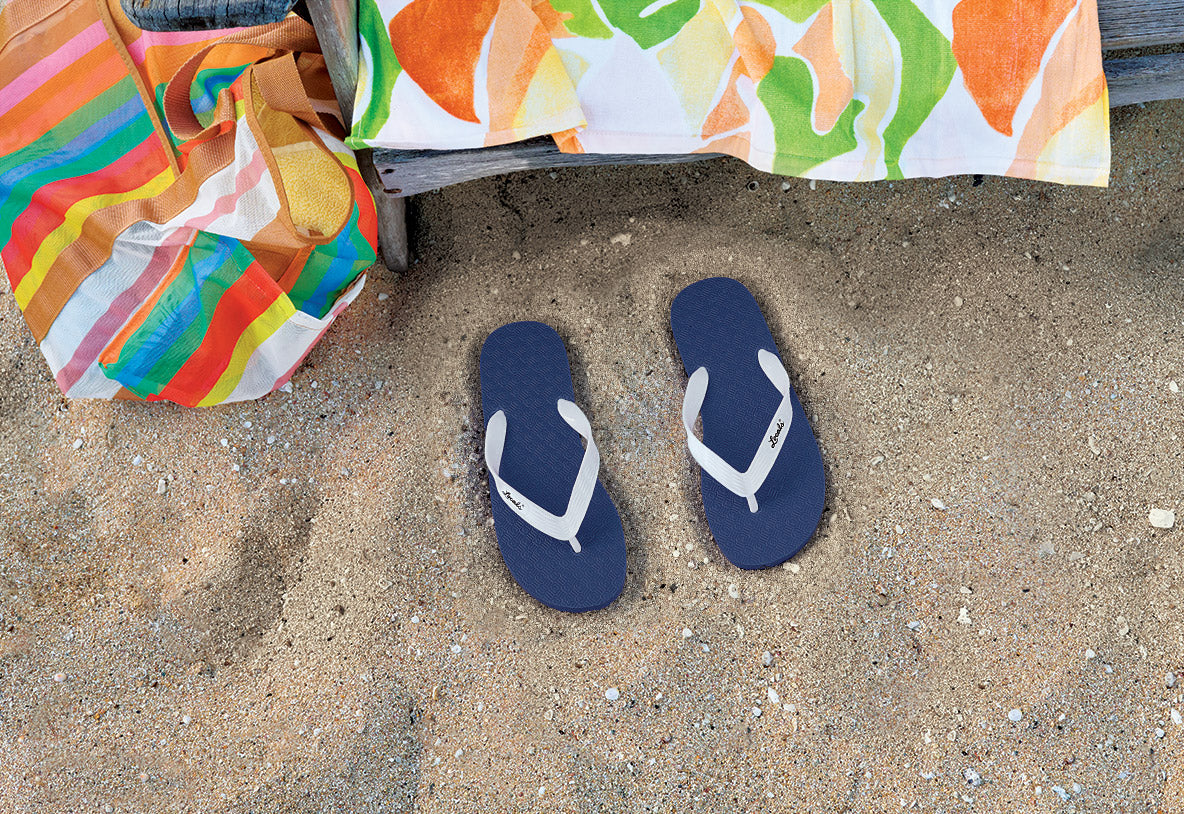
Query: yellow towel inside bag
pixel 319 193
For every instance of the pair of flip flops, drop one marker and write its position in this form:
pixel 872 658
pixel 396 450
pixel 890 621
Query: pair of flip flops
pixel 558 530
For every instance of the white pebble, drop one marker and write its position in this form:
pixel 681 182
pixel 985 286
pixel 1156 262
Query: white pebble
pixel 1162 518
pixel 774 698
pixel 1015 716
pixel 1089 654
pixel 186 720
pixel 621 239
pixel 767 659
pixel 137 461
pixel 162 486
pixel 1159 733
pixel 958 302
pixel 1175 388
pixel 383 296
pixel 612 694
pixel 1176 717
pixel 972 777
pixel 937 504
pixel 785 186
pixel 1169 680
pixel 247 424
pixel 270 440
pixel 78 443
pixel 964 616
pixel 455 648
pixel 734 591
pixel 756 712
pixel 1060 792
pixel 914 625
pixel 59 677
pixel 686 633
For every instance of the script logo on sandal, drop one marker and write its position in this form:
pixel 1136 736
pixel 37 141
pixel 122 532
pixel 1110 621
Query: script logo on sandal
pixel 776 435
pixel 506 494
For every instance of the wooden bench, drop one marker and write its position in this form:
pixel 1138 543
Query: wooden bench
pixel 395 174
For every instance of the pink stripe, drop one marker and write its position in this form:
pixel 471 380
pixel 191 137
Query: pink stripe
pixel 123 306
pixel 126 303
pixel 50 66
pixel 246 178
pixel 151 39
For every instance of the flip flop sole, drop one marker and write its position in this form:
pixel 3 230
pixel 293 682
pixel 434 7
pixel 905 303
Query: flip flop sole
pixel 524 371
pixel 718 325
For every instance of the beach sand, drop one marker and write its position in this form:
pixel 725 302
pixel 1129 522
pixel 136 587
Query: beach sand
pixel 314 617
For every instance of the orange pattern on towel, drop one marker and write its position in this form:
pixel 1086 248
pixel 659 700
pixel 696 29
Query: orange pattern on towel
pixel 1066 91
pixel 440 49
pixel 755 43
pixel 1019 32
pixel 834 86
pixel 730 112
pixel 513 61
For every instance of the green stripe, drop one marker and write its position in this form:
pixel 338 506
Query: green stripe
pixel 927 66
pixel 212 290
pixel 787 92
pixel 797 10
pixel 115 148
pixel 386 70
pixel 584 21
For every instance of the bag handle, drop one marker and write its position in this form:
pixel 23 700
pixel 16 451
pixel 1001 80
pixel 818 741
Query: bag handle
pixel 289 36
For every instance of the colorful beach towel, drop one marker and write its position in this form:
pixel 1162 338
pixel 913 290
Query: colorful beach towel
pixel 842 90
pixel 177 219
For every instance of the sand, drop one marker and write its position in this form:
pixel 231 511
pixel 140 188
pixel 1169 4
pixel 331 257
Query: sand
pixel 314 617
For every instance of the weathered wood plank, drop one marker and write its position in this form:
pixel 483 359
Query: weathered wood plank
pixel 200 15
pixel 392 217
pixel 1140 23
pixel 1145 79
pixel 336 23
pixel 410 172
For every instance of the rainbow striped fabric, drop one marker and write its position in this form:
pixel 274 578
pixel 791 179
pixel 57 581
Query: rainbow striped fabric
pixel 197 266
pixel 837 89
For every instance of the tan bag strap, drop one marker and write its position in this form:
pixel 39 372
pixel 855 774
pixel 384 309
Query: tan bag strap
pixel 282 88
pixel 288 36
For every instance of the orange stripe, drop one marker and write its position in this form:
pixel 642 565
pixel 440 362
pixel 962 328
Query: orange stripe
pixel 236 310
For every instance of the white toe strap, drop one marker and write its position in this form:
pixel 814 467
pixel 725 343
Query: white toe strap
pixel 561 528
pixel 746 483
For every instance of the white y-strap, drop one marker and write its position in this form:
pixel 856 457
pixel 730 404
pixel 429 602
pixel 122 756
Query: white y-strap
pixel 561 528
pixel 746 483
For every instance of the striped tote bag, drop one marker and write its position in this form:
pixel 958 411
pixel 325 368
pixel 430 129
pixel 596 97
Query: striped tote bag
pixel 179 217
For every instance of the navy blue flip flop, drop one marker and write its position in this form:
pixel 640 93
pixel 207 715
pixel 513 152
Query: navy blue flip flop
pixel 762 479
pixel 558 530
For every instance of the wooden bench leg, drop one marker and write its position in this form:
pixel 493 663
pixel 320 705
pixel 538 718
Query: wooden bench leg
pixel 392 217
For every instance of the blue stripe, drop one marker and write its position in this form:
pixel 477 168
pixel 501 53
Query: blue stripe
pixel 180 315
